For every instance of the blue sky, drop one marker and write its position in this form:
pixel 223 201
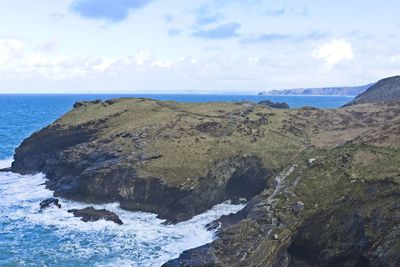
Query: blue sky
pixel 176 46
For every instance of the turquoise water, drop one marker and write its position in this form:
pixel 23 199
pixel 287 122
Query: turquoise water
pixel 54 237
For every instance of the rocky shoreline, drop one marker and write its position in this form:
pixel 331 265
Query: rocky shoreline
pixel 321 185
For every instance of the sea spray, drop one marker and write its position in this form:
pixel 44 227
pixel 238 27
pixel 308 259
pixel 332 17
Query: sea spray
pixel 55 237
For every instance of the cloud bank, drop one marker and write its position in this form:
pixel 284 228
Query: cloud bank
pixel 334 52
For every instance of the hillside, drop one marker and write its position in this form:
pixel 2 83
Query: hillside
pixel 328 91
pixel 322 185
pixel 387 90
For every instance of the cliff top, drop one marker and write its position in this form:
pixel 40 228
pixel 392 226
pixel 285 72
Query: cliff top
pixel 179 141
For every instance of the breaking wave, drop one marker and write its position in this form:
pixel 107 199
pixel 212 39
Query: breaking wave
pixel 55 237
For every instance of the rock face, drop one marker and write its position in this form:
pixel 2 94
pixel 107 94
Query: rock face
pixel 112 155
pixel 323 186
pixel 344 222
pixel 91 214
pixel 386 90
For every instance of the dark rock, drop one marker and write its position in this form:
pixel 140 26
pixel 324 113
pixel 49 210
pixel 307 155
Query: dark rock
pixel 91 214
pixel 6 170
pixel 49 202
pixel 208 126
pixel 197 257
pixel 150 156
pixel 271 104
pixel 79 104
pixel 85 103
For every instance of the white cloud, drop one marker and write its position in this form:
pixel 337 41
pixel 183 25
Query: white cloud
pixel 10 48
pixel 334 52
pixel 104 64
pixel 395 59
pixel 253 60
pixel 142 57
pixel 162 64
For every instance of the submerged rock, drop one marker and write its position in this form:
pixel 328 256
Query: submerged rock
pixel 91 214
pixel 50 202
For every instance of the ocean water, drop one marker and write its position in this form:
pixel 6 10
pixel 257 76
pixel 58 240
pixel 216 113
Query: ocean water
pixel 55 237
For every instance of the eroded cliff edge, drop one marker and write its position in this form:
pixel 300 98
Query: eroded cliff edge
pixel 322 185
pixel 335 204
pixel 174 159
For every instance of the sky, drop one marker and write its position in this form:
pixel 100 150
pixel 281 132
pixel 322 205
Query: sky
pixel 208 46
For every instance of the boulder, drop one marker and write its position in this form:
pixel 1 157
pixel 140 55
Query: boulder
pixel 315 163
pixel 90 214
pixel 49 202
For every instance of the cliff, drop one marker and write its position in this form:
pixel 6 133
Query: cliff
pixel 386 90
pixel 174 159
pixel 322 185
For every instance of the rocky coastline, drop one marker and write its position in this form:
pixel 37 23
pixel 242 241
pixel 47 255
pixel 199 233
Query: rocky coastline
pixel 322 185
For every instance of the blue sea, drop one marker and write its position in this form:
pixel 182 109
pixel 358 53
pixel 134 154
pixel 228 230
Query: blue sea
pixel 55 237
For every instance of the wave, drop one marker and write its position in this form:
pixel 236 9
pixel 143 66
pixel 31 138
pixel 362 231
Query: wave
pixel 142 241
pixel 5 163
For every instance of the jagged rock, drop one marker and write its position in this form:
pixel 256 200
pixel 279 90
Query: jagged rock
pixel 91 214
pixel 49 202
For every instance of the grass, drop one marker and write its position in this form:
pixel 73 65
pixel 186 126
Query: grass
pixel 178 131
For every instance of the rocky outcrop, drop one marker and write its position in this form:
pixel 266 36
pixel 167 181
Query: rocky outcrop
pixel 347 223
pixel 271 104
pixel 91 214
pixel 84 164
pixel 49 202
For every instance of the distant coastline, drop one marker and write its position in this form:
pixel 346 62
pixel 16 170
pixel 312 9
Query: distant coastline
pixel 323 91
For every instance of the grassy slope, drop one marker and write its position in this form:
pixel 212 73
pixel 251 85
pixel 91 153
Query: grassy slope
pixel 178 131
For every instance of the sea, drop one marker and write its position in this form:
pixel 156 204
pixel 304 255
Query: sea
pixel 56 238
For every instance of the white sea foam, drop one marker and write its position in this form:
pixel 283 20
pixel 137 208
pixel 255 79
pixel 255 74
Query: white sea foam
pixel 5 163
pixel 142 241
